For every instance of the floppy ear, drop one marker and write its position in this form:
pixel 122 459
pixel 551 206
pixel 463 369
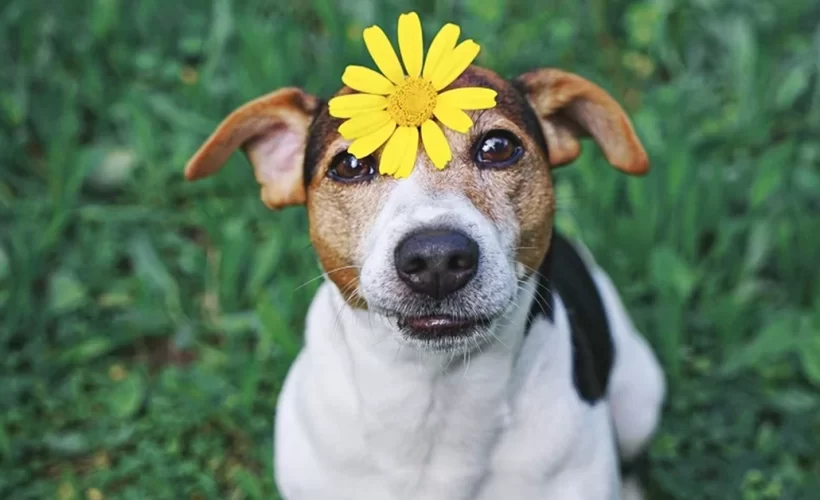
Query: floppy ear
pixel 570 107
pixel 272 131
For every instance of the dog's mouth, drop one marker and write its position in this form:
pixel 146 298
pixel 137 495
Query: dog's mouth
pixel 441 327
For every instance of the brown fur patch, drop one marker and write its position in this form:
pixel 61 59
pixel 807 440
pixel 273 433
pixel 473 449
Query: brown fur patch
pixel 340 215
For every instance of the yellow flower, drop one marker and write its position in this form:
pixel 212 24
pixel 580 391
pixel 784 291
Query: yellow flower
pixel 396 103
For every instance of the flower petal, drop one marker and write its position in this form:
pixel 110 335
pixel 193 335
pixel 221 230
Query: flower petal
pixel 346 106
pixel 364 124
pixel 443 44
pixel 454 63
pixel 407 160
pixel 365 146
pixel 469 98
pixel 366 80
pixel 391 154
pixel 435 144
pixel 383 54
pixel 453 117
pixel 410 43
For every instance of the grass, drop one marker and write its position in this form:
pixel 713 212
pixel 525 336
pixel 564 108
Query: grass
pixel 146 324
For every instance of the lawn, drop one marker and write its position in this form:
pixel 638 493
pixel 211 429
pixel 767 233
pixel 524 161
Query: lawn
pixel 146 323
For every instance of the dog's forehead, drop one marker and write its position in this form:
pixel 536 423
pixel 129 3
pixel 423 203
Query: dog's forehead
pixel 511 104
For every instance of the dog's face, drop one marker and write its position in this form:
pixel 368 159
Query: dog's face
pixel 442 251
pixel 437 251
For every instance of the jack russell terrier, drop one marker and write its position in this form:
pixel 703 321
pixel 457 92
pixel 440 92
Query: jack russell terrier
pixel 460 348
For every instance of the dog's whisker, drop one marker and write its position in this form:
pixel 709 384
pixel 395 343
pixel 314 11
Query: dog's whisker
pixel 477 342
pixel 536 272
pixel 497 337
pixel 324 275
pixel 446 363
pixel 543 300
pixel 347 294
pixel 467 364
pixel 536 293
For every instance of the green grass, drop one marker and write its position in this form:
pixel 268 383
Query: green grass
pixel 146 324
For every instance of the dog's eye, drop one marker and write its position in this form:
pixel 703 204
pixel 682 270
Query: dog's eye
pixel 498 148
pixel 347 168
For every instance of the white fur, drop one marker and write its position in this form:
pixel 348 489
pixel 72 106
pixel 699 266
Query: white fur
pixel 367 415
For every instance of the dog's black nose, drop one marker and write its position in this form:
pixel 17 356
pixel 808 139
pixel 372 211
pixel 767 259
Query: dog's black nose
pixel 437 263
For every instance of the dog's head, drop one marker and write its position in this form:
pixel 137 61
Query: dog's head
pixel 442 251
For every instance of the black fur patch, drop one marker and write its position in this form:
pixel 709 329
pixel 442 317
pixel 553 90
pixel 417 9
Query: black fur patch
pixel 321 126
pixel 563 272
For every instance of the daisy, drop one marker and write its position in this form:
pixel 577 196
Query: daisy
pixel 397 105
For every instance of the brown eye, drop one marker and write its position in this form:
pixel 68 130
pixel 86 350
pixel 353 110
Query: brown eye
pixel 498 148
pixel 347 168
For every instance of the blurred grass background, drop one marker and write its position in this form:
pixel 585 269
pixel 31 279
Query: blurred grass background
pixel 146 324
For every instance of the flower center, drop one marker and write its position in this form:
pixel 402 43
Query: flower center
pixel 413 102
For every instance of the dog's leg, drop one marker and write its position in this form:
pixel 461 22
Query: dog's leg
pixel 637 386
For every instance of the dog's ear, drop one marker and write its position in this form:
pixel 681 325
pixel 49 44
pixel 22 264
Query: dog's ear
pixel 272 131
pixel 570 107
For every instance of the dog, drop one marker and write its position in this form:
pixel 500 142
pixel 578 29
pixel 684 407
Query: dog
pixel 460 347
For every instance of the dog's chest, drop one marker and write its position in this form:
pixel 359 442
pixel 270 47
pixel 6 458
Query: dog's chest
pixel 498 426
pixel 513 444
